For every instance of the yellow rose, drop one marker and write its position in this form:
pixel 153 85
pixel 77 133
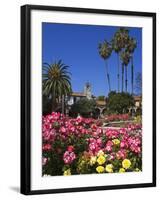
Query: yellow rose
pixel 100 169
pixel 101 160
pixel 93 160
pixel 116 141
pixel 126 163
pixel 121 170
pixel 109 168
pixel 67 172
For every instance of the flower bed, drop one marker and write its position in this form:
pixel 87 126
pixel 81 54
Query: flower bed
pixel 82 146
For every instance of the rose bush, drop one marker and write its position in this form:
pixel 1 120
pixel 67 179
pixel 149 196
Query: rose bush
pixel 82 146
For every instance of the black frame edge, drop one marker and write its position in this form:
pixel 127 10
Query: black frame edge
pixel 154 98
pixel 25 101
pixel 89 10
pixel 89 189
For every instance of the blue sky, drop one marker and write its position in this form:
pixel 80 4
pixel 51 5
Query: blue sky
pixel 77 46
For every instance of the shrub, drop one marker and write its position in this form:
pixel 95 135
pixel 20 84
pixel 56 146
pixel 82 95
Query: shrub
pixel 84 107
pixel 119 102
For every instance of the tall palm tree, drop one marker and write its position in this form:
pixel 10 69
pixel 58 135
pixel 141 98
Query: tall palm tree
pixel 116 47
pixel 56 82
pixel 131 45
pixel 125 57
pixel 105 50
pixel 118 43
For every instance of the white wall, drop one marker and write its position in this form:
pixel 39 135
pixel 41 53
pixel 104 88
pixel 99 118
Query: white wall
pixel 10 98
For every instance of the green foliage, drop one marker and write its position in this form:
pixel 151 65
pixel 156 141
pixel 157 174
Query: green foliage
pixel 131 45
pixel 138 119
pixel 119 102
pixel 101 98
pixel 84 107
pixel 105 49
pixel 47 105
pixel 125 57
pixel 120 39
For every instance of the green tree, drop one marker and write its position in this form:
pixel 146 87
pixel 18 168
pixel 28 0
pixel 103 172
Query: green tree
pixel 119 102
pixel 125 57
pixel 56 82
pixel 105 50
pixel 101 98
pixel 131 45
pixel 84 107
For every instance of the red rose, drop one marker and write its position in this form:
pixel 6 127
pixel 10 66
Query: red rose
pixel 70 148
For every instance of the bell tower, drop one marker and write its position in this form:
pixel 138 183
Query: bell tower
pixel 87 90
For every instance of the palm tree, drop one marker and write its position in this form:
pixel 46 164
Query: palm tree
pixel 125 57
pixel 105 51
pixel 131 45
pixel 118 43
pixel 123 36
pixel 116 47
pixel 56 82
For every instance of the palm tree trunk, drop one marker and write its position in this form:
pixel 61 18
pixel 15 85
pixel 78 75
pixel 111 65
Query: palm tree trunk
pixel 122 76
pixel 126 78
pixel 132 73
pixel 108 78
pixel 63 104
pixel 53 100
pixel 118 71
pixel 53 104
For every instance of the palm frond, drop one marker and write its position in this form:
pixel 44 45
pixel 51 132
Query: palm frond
pixel 56 79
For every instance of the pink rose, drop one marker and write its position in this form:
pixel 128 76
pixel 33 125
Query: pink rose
pixel 121 154
pixel 109 146
pixel 69 157
pixel 63 129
